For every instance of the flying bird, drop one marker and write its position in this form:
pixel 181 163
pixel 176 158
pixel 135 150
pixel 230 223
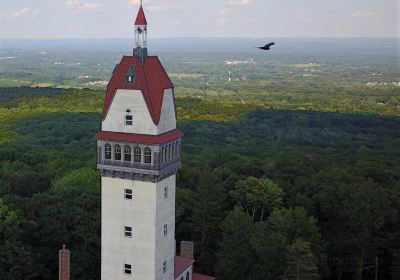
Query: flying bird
pixel 267 47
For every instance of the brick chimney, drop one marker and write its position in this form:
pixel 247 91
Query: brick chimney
pixel 64 264
pixel 187 249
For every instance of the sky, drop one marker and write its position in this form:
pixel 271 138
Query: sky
pixel 200 18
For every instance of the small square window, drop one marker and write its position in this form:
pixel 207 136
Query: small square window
pixel 128 120
pixel 165 192
pixel 127 231
pixel 165 229
pixel 164 268
pixel 127 269
pixel 128 194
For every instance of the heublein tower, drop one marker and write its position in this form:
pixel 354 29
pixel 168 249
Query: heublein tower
pixel 138 157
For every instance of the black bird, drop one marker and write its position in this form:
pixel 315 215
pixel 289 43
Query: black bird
pixel 267 47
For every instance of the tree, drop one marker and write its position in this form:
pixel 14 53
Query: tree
pixel 235 258
pixel 70 214
pixel 16 258
pixel 257 196
pixel 207 213
pixel 395 267
pixel 300 262
pixel 296 224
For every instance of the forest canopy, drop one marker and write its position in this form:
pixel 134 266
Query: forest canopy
pixel 273 191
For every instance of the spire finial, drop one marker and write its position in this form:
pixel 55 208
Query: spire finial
pixel 141 3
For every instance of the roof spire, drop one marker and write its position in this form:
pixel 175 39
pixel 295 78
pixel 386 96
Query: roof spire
pixel 140 34
pixel 141 18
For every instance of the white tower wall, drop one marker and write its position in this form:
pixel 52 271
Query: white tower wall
pixel 146 213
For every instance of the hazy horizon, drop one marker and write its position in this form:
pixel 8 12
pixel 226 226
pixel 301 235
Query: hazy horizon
pixel 200 18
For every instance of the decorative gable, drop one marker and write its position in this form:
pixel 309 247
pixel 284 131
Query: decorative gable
pixel 150 78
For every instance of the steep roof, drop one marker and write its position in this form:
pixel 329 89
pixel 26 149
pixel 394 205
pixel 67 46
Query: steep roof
pixel 141 17
pixel 150 78
pixel 181 264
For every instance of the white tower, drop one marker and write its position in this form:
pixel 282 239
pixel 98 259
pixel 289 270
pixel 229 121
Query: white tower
pixel 138 156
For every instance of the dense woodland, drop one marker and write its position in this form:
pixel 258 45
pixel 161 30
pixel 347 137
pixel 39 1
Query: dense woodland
pixel 261 191
pixel 289 171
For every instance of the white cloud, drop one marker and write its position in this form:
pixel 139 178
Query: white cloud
pixel 27 11
pixel 362 14
pixel 238 2
pixel 226 10
pixel 72 3
pixel 160 6
pixel 80 6
pixel 133 2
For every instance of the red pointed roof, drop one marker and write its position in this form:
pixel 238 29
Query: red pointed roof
pixel 150 78
pixel 141 18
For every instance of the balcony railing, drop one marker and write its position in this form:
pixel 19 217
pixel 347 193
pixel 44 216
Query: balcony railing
pixel 138 165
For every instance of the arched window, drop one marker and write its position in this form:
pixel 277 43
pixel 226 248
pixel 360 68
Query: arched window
pixel 117 152
pixel 162 154
pixel 147 155
pixel 169 152
pixel 137 154
pixel 173 150
pixel 107 151
pixel 187 275
pixel 127 153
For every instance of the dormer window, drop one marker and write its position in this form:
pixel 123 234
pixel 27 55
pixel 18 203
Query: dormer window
pixel 130 75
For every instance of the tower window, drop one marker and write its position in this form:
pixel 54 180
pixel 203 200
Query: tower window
pixel 107 151
pixel 117 152
pixel 187 276
pixel 165 192
pixel 128 194
pixel 165 229
pixel 137 154
pixel 147 155
pixel 164 267
pixel 127 153
pixel 127 231
pixel 128 120
pixel 127 268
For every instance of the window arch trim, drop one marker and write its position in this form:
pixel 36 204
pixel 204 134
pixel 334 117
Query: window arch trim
pixel 147 155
